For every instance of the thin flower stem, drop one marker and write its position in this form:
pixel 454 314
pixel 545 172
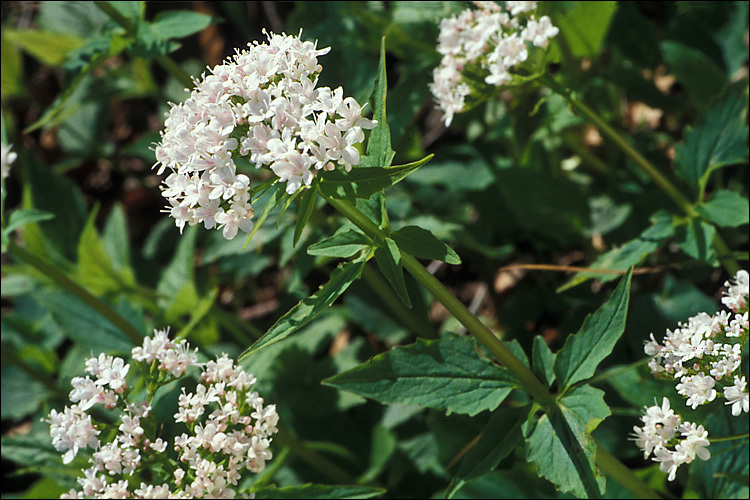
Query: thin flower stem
pixel 607 462
pixel 616 371
pixel 52 272
pixel 746 435
pixel 666 186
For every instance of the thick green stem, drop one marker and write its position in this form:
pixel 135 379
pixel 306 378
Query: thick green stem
pixel 606 462
pixel 664 184
pixel 52 272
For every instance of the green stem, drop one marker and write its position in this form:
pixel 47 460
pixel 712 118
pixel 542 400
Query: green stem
pixel 609 464
pixel 52 272
pixel 407 318
pixel 528 380
pixel 313 459
pixel 666 186
pixel 165 61
pixel 729 438
pixel 606 462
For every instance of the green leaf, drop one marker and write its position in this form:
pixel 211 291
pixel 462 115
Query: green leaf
pixel 717 141
pixel 319 491
pixel 561 445
pixel 180 23
pixel 306 205
pixel 700 75
pixel 445 374
pixel 22 395
pixel 500 436
pixel 276 198
pixel 21 217
pixel 364 182
pixel 49 48
pixel 584 26
pixel 725 209
pixel 696 239
pixel 379 151
pixel 176 286
pixel 346 242
pixel 543 361
pixel 629 254
pixel 301 314
pixel 388 258
pixel 583 352
pixel 95 270
pixel 115 239
pixel 422 243
pixel 84 325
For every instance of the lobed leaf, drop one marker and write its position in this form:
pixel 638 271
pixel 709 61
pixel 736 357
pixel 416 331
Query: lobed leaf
pixel 717 141
pixel 445 374
pixel 561 445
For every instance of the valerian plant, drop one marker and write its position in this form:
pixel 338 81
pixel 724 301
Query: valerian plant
pixel 462 411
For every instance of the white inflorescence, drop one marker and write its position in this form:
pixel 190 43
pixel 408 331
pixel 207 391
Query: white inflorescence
pixel 7 157
pixel 230 428
pixel 262 104
pixel 705 354
pixel 490 38
pixel 672 441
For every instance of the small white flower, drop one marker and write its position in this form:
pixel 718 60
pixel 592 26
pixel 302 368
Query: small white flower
pixel 737 396
pixel 7 157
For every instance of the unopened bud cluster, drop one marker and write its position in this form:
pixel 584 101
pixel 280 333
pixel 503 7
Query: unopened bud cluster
pixel 489 40
pixel 229 428
pixel 262 104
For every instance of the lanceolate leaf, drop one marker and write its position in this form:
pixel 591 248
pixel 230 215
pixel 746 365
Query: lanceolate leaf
pixel 498 439
pixel 561 445
pixel 306 205
pixel 379 151
pixel 445 374
pixel 346 242
pixel 278 195
pixel 717 141
pixel 543 360
pixel 389 261
pixel 364 182
pixel 583 352
pixel 308 308
pixel 422 243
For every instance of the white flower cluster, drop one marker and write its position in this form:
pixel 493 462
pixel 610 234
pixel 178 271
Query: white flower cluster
pixel 672 441
pixel 490 40
pixel 7 157
pixel 230 429
pixel 261 103
pixel 708 350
